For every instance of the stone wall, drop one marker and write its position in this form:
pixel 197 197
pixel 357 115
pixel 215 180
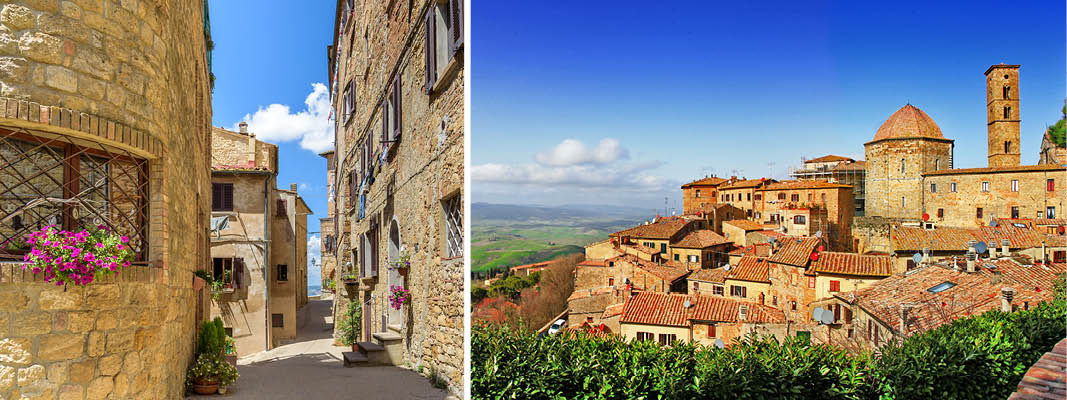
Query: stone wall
pixel 412 181
pixel 959 207
pixel 887 184
pixel 133 75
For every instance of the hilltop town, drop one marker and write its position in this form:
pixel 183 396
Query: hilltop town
pixel 856 253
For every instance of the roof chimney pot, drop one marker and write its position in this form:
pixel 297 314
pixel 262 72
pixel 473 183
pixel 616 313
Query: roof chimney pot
pixel 292 187
pixel 244 127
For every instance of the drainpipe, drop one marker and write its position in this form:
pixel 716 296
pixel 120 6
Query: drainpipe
pixel 266 259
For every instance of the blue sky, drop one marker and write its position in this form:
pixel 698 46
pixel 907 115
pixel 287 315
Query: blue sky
pixel 652 96
pixel 268 55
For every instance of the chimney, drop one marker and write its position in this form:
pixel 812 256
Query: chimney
pixel 292 187
pixel 1006 295
pixel 904 308
pixel 251 151
pixel 244 127
pixel 742 312
pixel 995 280
pixel 992 252
pixel 1004 243
pixel 971 257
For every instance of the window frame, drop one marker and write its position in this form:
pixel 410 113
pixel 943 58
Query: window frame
pixel 282 273
pixel 452 208
pixel 1014 185
pixel 225 201
pixel 985 186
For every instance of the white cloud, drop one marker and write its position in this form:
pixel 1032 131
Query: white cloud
pixel 573 152
pixel 303 186
pixel 312 126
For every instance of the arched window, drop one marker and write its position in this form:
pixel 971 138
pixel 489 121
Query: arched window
pixel 1007 146
pixel 1007 92
pixel 1007 112
pixel 937 165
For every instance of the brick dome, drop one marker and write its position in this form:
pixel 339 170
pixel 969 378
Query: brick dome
pixel 908 122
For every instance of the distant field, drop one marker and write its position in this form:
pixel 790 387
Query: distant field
pixel 499 244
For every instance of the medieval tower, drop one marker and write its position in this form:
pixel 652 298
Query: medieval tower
pixel 1002 112
pixel 906 146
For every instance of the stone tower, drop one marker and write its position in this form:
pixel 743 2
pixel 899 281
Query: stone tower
pixel 905 147
pixel 1002 112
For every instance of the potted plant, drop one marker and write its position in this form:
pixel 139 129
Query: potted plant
pixel 65 257
pixel 201 278
pixel 227 279
pixel 350 278
pixel 398 296
pixel 230 351
pixel 211 371
pixel 402 262
pixel 350 326
pixel 216 289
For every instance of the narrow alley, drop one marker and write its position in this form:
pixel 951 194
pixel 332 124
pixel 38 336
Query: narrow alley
pixel 311 367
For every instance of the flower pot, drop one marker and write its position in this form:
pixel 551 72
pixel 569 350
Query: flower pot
pixel 198 283
pixel 204 386
pixel 403 271
pixel 355 347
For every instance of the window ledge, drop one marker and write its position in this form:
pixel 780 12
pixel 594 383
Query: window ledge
pixel 449 73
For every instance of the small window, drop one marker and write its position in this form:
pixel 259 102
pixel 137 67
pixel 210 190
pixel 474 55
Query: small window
pixel 453 209
pixel 443 37
pixel 985 186
pixel 697 193
pixel 221 197
pixel 774 300
pixel 903 166
pixel 711 330
pixel 794 197
pixel 223 271
pixel 749 197
pixel 667 339
pixel 781 196
pixel 952 187
pixel 1050 185
pixel 760 197
pixel 676 257
pixel 978 213
pixel 903 202
pixel 611 281
pixel 1007 115
pixel 283 273
pixel 937 165
pixel 694 258
pixel 1007 92
pixel 277 321
pixel 933 188
pixel 941 287
pixel 1015 185
pixel 717 290
pixel 941 213
pixel 1015 212
pixel 835 286
pixel 794 305
pixel 696 287
pixel 799 219
pixel 738 291
pixel 279 208
pixel 1050 212
pixel 645 336
pixel 811 197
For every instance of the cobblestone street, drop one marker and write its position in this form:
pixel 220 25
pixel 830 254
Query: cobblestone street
pixel 311 367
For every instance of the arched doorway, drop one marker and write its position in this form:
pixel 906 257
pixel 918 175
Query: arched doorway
pixel 396 317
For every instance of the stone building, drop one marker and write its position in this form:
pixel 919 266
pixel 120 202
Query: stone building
pixel 259 233
pixel 105 120
pixel 830 203
pixel 702 191
pixel 836 169
pixel 397 84
pixel 1052 152
pixel 742 194
pixel 327 227
pixel 670 318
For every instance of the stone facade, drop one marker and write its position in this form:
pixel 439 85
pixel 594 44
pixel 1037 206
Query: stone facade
pixel 894 174
pixel 819 202
pixel 1002 114
pixel 266 236
pixel 400 174
pixel 954 197
pixel 702 192
pixel 327 227
pixel 131 75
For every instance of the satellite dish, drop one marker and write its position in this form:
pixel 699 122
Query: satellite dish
pixel 772 240
pixel 926 217
pixel 726 268
pixel 993 222
pixel 817 313
pixel 719 343
pixel 917 258
pixel 818 234
pixel 827 317
pixel 980 247
pixel 687 303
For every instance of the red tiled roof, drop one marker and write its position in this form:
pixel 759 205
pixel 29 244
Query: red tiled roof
pixel 664 228
pixel 709 181
pixel 528 266
pixel 601 331
pixel 581 294
pixel 994 170
pixel 709 275
pixel 802 184
pixel 758 249
pixel 908 122
pixel 956 239
pixel 1047 378
pixel 665 309
pixel 828 158
pixel 642 249
pixel 795 251
pixel 745 224
pixel 1052 221
pixel 747 184
pixel 855 165
pixel 700 239
pixel 773 234
pixel 752 269
pixel 973 293
pixel 592 263
pixel 613 310
pixel 831 262
pixel 669 274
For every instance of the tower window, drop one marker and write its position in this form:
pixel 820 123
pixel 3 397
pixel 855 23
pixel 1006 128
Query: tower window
pixel 1007 112
pixel 1015 212
pixel 902 166
pixel 985 186
pixel 1007 145
pixel 903 202
pixel 937 165
pixel 1007 92
pixel 933 188
pixel 978 213
pixel 952 187
pixel 1015 185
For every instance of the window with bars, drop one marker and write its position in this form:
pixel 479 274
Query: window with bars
pixel 453 208
pixel 221 197
pixel 73 185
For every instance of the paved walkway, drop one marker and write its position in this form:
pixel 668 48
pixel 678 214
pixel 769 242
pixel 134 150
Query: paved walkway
pixel 310 368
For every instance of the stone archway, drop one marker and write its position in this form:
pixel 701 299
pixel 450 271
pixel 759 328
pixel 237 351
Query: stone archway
pixel 396 317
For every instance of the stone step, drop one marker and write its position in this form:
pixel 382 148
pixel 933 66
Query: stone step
pixel 396 328
pixel 367 347
pixel 387 336
pixel 353 359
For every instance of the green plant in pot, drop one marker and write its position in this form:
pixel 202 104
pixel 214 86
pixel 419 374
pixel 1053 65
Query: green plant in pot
pixel 350 325
pixel 211 371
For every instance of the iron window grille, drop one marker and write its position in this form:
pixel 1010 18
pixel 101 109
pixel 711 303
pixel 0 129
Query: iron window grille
pixel 454 225
pixel 72 184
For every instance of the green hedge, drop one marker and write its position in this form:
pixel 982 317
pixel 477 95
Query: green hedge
pixel 976 357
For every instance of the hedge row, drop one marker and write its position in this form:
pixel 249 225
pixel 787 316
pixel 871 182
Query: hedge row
pixel 979 357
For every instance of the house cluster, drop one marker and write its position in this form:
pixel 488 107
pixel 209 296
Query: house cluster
pixel 857 253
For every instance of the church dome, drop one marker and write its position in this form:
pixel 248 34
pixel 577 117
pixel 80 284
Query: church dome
pixel 908 122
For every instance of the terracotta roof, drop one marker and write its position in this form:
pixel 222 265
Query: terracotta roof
pixel 669 274
pixel 664 228
pixel 828 158
pixel 1052 221
pixel 596 302
pixel 909 122
pixel 528 266
pixel 972 293
pixel 994 170
pixel 601 331
pixel 802 184
pixel 831 262
pixel 709 275
pixel 752 269
pixel 758 249
pixel 746 184
pixel 665 309
pixel 709 181
pixel 795 251
pixel 495 310
pixel 906 238
pixel 581 294
pixel 773 234
pixel 700 239
pixel 745 224
pixel 1047 378
pixel 642 249
pixel 592 263
pixel 613 310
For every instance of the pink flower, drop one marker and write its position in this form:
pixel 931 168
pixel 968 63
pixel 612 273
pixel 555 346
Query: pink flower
pixel 125 239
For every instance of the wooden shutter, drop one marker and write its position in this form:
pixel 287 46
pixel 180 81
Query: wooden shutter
pixel 431 59
pixel 238 273
pixel 280 208
pixel 397 109
pixel 385 118
pixel 744 291
pixel 711 330
pixel 227 196
pixel 837 312
pixel 456 7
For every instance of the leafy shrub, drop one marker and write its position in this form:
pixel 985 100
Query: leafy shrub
pixel 350 327
pixel 212 337
pixel 977 357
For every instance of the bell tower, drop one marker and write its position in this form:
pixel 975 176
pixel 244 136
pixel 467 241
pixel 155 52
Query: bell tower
pixel 1002 114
